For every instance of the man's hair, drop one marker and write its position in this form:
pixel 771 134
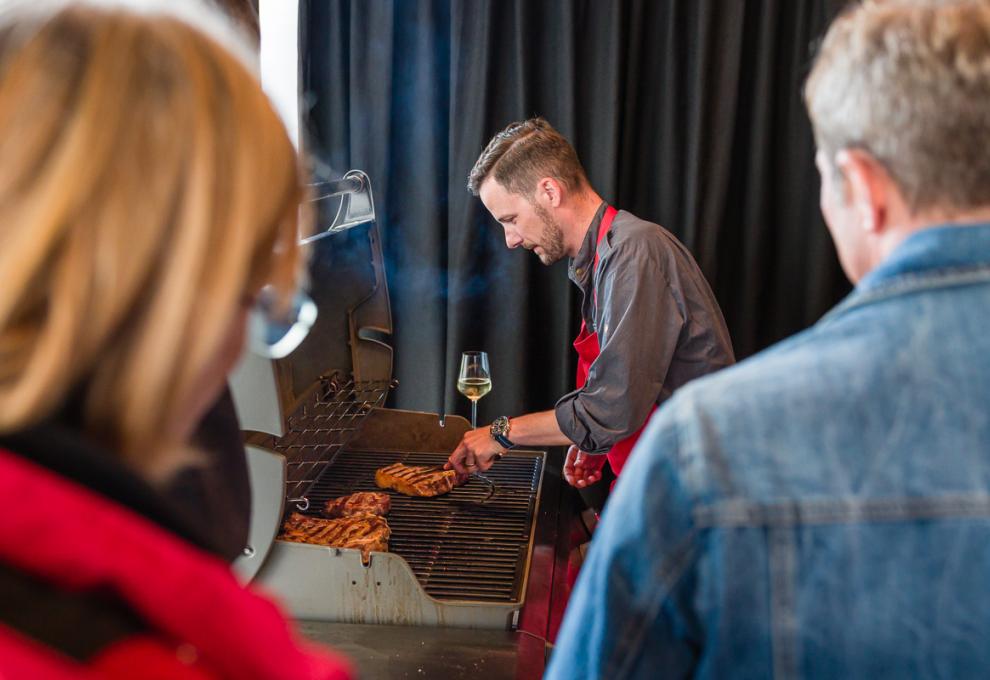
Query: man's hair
pixel 522 154
pixel 142 201
pixel 908 81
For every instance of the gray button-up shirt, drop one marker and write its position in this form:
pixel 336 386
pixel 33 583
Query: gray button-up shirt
pixel 658 326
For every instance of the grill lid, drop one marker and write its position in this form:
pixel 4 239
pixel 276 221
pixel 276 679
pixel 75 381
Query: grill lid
pixel 353 329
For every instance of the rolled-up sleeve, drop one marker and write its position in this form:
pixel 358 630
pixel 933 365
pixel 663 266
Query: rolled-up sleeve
pixel 640 319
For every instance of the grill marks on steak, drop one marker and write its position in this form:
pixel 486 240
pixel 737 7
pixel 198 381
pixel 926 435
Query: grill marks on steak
pixel 360 503
pixel 417 480
pixel 366 533
pixel 356 521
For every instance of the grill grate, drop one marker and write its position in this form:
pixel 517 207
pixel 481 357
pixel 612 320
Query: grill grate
pixel 460 546
pixel 323 426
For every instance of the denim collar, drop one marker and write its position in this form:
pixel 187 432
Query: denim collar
pixel 949 254
pixel 949 246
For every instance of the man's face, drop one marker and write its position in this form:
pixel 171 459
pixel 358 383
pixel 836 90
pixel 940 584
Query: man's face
pixel 525 223
pixel 842 220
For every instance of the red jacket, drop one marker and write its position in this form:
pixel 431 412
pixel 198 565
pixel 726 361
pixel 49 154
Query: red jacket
pixel 196 621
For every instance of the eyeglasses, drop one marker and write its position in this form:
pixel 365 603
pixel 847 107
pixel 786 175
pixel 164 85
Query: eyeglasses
pixel 274 329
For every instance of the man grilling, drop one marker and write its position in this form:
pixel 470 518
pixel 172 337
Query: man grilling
pixel 650 322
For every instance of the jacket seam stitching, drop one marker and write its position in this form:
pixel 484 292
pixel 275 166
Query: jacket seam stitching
pixel 783 623
pixel 741 514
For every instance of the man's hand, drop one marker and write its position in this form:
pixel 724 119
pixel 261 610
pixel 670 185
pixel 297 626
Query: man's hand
pixel 476 452
pixel 583 469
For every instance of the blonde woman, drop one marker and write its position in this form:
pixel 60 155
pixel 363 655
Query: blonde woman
pixel 147 193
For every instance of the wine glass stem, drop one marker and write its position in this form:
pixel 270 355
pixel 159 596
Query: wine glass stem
pixel 474 413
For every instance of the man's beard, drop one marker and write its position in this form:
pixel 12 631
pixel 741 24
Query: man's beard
pixel 552 237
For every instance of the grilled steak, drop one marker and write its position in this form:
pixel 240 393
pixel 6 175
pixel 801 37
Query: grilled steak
pixel 365 532
pixel 361 503
pixel 417 480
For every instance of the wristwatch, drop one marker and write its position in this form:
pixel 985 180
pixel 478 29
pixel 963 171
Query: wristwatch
pixel 500 432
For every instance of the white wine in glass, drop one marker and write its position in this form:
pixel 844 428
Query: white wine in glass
pixel 474 381
pixel 474 388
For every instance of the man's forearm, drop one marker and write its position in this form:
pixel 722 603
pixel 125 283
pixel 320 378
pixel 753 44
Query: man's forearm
pixel 537 429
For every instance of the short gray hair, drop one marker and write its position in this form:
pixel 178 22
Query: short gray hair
pixel 908 81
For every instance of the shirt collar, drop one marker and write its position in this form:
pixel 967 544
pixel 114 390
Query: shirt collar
pixel 580 265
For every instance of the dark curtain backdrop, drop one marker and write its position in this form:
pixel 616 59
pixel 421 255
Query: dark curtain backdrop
pixel 684 112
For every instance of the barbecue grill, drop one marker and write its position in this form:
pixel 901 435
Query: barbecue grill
pixel 318 429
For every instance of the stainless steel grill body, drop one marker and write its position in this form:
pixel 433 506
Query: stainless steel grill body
pixel 461 559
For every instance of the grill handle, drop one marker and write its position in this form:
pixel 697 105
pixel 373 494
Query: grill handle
pixel 356 207
pixel 337 187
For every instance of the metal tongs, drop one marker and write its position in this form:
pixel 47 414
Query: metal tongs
pixel 494 488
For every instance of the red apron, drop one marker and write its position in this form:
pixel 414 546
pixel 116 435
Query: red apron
pixel 588 350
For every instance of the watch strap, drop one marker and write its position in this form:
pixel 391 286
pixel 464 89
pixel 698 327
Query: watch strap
pixel 503 441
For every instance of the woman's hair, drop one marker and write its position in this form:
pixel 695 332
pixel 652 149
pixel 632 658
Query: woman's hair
pixel 245 12
pixel 147 190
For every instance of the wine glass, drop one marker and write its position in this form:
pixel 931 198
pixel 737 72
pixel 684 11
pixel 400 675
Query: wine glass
pixel 474 381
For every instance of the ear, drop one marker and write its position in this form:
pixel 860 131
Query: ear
pixel 867 187
pixel 549 192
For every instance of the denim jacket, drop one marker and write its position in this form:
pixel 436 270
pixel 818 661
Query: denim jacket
pixel 821 510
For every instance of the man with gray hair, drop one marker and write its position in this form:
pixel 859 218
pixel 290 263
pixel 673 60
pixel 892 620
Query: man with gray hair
pixel 650 321
pixel 822 510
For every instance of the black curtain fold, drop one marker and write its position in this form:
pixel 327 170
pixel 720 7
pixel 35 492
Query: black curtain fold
pixel 685 112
